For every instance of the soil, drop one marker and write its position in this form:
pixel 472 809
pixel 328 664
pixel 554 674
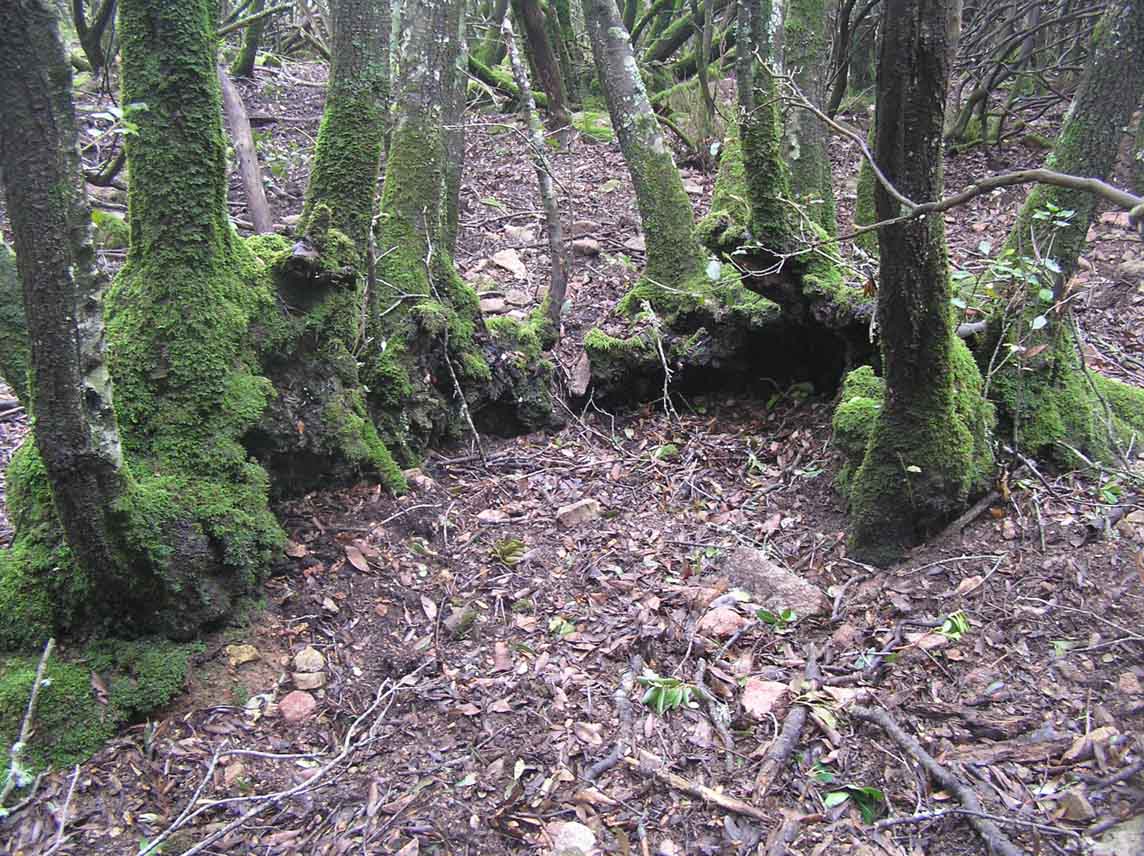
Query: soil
pixel 481 658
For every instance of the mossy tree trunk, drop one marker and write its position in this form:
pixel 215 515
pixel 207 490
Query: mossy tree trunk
pixel 805 55
pixel 13 327
pixel 675 258
pixel 542 57
pixel 492 48
pixel 69 392
pixel 180 315
pixel 430 366
pixel 324 279
pixel 1046 396
pixel 347 155
pixel 928 451
pixel 243 65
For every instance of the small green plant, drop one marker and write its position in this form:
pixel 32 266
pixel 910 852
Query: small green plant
pixel 508 551
pixel 664 694
pixel 822 773
pixel 561 626
pixel 780 622
pixel 869 801
pixel 955 626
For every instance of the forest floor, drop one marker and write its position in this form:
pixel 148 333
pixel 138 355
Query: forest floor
pixel 477 646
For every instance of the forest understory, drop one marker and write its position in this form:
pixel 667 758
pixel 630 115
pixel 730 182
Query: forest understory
pixel 483 636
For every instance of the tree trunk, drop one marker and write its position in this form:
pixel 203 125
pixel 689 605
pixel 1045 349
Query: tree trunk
pixel 1047 398
pixel 675 258
pixel 324 277
pixel 347 155
pixel 70 393
pixel 558 281
pixel 431 367
pixel 492 49
pixel 1138 156
pixel 91 34
pixel 546 67
pixel 13 327
pixel 181 350
pixel 805 137
pixel 244 63
pixel 928 451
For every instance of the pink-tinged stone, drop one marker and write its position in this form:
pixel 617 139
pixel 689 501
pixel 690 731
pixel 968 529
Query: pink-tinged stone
pixel 297 706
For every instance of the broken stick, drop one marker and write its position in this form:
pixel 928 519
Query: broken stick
pixel 990 832
pixel 784 746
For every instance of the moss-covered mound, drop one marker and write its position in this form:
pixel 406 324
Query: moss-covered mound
pixel 73 716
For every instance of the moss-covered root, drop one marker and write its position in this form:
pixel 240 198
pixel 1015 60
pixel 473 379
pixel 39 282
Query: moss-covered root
pixel 921 465
pixel 857 411
pixel 13 326
pixel 1052 407
pixel 316 431
pixel 71 723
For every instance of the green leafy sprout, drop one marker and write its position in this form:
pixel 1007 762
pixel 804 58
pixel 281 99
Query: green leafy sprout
pixel 955 626
pixel 664 694
pixel 869 801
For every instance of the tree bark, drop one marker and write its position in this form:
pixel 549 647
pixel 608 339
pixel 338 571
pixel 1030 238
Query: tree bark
pixel 434 364
pixel 248 166
pixel 545 64
pixel 805 137
pixel 69 392
pixel 928 451
pixel 558 281
pixel 244 63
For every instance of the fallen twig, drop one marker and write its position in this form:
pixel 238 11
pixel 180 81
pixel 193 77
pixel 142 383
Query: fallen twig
pixel 653 767
pixel 784 745
pixel 63 818
pixel 785 833
pixel 991 834
pixel 16 751
pixel 386 691
pixel 623 702
pixel 718 712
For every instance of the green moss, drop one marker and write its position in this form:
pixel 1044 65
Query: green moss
pixel 594 124
pixel 859 404
pixel 1050 402
pixel 865 211
pixel 921 466
pixel 111 232
pixel 71 722
pixel 347 154
pixel 360 442
pixel 40 587
pixel 725 228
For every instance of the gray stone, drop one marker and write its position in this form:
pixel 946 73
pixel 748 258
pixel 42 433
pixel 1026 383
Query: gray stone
pixel 772 587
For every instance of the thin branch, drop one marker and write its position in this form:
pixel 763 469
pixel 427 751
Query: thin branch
pixel 16 751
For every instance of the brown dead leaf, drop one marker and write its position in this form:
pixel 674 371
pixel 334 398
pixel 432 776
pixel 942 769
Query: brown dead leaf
pixel 969 584
pixel 355 557
pixel 502 657
pixel 430 607
pixel 295 550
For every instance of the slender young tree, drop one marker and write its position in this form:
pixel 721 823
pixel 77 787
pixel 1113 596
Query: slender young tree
pixel 928 451
pixel 675 257
pixel 69 391
pixel 1048 400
